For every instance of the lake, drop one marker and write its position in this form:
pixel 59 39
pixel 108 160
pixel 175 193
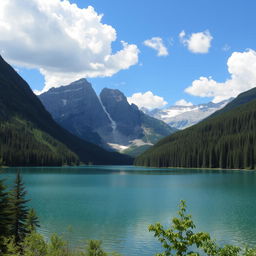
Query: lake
pixel 116 204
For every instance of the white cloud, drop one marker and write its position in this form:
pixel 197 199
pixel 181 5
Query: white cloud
pixel 62 40
pixel 147 100
pixel 183 102
pixel 242 69
pixel 197 42
pixel 157 44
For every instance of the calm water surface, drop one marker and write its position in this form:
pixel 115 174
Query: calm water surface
pixel 116 204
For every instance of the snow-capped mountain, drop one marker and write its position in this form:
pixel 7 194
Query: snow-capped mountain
pixel 182 117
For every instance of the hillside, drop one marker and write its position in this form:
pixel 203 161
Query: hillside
pixel 29 135
pixel 227 139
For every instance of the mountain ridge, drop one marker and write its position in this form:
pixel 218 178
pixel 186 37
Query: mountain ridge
pixel 182 117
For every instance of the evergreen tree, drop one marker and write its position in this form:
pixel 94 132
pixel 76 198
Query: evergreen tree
pixel 19 210
pixel 32 221
pixel 4 213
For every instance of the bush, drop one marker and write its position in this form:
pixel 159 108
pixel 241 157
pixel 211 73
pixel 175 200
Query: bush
pixel 180 239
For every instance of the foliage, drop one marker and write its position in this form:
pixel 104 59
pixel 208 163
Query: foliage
pixel 180 239
pixel 35 245
pixel 94 249
pixel 32 221
pixel 11 248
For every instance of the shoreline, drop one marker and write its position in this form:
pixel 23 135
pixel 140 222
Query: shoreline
pixel 198 168
pixel 151 167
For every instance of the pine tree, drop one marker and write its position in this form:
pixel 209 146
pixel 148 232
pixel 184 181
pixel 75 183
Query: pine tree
pixel 32 221
pixel 18 210
pixel 4 213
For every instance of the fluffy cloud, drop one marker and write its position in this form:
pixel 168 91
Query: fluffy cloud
pixel 242 69
pixel 147 100
pixel 183 102
pixel 60 39
pixel 157 44
pixel 197 42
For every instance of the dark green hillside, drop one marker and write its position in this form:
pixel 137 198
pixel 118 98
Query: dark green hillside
pixel 29 135
pixel 225 140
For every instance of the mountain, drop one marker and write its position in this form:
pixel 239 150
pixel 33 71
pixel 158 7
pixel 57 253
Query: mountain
pixel 29 135
pixel 77 108
pixel 107 120
pixel 182 117
pixel 226 139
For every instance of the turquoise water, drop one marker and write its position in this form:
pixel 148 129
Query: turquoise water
pixel 116 204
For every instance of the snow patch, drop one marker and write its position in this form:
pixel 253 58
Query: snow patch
pixel 182 117
pixel 118 147
pixel 113 123
pixel 140 143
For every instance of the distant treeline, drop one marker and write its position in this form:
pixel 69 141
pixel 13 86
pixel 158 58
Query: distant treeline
pixel 225 140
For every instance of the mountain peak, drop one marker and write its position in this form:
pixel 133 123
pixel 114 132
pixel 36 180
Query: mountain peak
pixel 82 82
pixel 113 94
pixel 74 86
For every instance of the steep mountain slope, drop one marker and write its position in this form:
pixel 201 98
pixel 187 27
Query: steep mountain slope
pixel 109 119
pixel 182 117
pixel 225 140
pixel 29 135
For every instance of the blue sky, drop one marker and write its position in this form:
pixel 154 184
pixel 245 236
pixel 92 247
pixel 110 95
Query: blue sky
pixel 231 24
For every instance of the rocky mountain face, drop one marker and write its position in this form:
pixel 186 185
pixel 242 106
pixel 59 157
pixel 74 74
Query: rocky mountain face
pixel 107 120
pixel 125 118
pixel 77 108
pixel 182 117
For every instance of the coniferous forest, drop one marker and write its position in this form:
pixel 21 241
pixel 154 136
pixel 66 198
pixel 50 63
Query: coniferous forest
pixel 227 139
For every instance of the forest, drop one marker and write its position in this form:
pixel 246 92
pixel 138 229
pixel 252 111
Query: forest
pixel 21 144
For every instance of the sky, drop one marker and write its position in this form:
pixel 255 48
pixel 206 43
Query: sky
pixel 158 53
